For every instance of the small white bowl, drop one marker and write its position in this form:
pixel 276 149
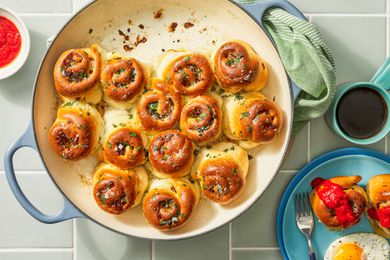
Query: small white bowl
pixel 18 62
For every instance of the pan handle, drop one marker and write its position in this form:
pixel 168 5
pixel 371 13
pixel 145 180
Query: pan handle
pixel 27 140
pixel 257 9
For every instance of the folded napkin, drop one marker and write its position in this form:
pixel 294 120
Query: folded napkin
pixel 307 60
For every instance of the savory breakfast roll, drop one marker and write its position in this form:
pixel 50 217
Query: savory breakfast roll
pixel 221 171
pixel 159 107
pixel 190 73
pixel 77 75
pixel 124 143
pixel 171 154
pixel 378 213
pixel 201 119
pixel 76 131
pixel 252 119
pixel 338 202
pixel 116 190
pixel 238 67
pixel 123 80
pixel 168 204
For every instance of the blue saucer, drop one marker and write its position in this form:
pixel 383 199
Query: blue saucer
pixel 347 161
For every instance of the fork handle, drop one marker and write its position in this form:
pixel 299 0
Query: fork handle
pixel 312 256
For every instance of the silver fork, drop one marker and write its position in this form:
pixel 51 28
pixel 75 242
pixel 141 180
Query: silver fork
pixel 304 219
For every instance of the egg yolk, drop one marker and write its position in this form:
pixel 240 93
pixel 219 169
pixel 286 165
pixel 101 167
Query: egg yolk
pixel 348 252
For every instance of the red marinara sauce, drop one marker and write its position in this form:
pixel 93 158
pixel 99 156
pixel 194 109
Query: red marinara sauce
pixel 333 196
pixel 10 41
pixel 382 215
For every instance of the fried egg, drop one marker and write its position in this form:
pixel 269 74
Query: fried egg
pixel 358 246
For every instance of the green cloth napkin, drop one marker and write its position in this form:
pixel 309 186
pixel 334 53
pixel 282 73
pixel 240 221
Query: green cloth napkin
pixel 307 60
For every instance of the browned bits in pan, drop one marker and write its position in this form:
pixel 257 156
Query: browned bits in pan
pixel 141 26
pixel 139 40
pixel 125 36
pixel 188 25
pixel 130 22
pixel 172 27
pixel 158 14
pixel 127 47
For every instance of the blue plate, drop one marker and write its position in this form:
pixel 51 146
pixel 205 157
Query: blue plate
pixel 347 161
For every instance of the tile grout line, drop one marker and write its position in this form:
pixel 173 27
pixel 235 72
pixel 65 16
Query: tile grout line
pixel 230 241
pixel 347 14
pixel 255 248
pixel 44 14
pixel 152 257
pixel 74 239
pixel 36 249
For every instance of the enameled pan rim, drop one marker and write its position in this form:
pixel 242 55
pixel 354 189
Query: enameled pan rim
pixel 288 135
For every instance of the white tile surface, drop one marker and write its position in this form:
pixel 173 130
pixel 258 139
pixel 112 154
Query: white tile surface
pixel 16 91
pixel 94 242
pixel 36 255
pixel 38 6
pixel 18 229
pixel 358 33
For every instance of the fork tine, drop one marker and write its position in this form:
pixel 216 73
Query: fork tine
pixel 300 204
pixel 296 207
pixel 305 203
pixel 308 204
pixel 304 209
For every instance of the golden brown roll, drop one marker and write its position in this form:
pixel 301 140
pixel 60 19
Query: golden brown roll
pixel 169 203
pixel 201 119
pixel 252 119
pixel 77 75
pixel 238 67
pixel 124 144
pixel 190 73
pixel 117 190
pixel 221 171
pixel 378 212
pixel 338 202
pixel 76 131
pixel 123 79
pixel 171 154
pixel 159 108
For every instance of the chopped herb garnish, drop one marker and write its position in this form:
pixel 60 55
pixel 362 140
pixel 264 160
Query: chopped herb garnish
pixel 249 127
pixel 152 107
pixel 84 74
pixel 133 134
pixel 244 114
pixel 102 198
pixel 234 171
pixel 109 145
pixel 238 97
pixel 187 58
pixel 114 125
pixel 68 104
